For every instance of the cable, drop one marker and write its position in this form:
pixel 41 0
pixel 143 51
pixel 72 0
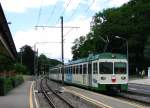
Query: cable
pixel 66 7
pixel 89 6
pixel 74 11
pixel 39 15
pixel 64 10
pixel 52 13
pixel 68 32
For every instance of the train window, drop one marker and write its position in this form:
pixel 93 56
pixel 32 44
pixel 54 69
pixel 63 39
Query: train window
pixel 70 70
pixel 120 68
pixel 64 70
pixel 95 70
pixel 84 68
pixel 80 69
pixel 67 70
pixel 76 69
pixel 89 68
pixel 106 67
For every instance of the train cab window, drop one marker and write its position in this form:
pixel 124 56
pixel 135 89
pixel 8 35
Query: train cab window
pixel 84 68
pixel 80 69
pixel 106 68
pixel 120 68
pixel 95 69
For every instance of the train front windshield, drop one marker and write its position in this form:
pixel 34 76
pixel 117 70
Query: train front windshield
pixel 106 67
pixel 120 68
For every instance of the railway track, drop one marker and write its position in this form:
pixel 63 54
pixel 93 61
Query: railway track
pixel 138 97
pixel 53 98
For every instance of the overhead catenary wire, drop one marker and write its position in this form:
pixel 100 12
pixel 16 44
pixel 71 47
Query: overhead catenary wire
pixel 74 11
pixel 68 32
pixel 62 14
pixel 39 13
pixel 66 7
pixel 52 13
pixel 87 9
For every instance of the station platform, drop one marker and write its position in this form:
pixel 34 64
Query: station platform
pixel 18 97
pixel 144 81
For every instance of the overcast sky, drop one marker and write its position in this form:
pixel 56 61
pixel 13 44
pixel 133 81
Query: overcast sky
pixel 26 14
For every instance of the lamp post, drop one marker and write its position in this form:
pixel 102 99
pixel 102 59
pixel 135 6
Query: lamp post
pixel 118 37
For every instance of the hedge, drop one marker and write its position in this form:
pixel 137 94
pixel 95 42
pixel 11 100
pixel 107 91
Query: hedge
pixel 8 83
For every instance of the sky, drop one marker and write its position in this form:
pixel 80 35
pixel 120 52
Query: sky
pixel 24 15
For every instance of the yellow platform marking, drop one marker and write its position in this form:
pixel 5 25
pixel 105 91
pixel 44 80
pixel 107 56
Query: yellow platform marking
pixel 98 103
pixel 30 96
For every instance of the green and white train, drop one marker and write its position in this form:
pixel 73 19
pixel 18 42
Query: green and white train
pixel 103 72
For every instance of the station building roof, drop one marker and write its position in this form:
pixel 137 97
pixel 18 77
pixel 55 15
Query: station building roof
pixel 7 46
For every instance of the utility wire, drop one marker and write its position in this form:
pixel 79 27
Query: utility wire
pixel 66 7
pixel 86 11
pixel 52 13
pixel 75 10
pixel 39 13
pixel 68 32
pixel 64 10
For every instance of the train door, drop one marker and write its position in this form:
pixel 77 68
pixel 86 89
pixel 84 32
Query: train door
pixel 84 74
pixel 95 74
pixel 90 74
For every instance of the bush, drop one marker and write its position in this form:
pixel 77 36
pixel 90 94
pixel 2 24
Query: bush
pixel 7 83
pixel 20 69
pixel 18 80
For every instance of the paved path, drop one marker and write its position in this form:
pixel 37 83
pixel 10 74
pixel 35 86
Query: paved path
pixel 17 98
pixel 145 81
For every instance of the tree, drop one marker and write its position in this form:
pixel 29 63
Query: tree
pixel 20 69
pixel 45 63
pixel 27 55
pixel 130 21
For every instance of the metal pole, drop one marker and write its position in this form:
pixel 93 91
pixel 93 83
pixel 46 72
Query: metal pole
pixel 62 49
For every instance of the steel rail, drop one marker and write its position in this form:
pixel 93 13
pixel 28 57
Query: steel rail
pixel 46 95
pixel 60 97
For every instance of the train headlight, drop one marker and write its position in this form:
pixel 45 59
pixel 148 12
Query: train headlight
pixel 103 78
pixel 123 77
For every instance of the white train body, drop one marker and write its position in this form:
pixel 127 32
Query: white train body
pixel 99 72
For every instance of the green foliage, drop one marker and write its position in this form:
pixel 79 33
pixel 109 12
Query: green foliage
pixel 5 85
pixel 17 80
pixel 6 63
pixel 130 21
pixel 27 55
pixel 8 83
pixel 20 69
pixel 45 63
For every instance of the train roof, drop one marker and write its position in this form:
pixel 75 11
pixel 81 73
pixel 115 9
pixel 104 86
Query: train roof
pixel 92 57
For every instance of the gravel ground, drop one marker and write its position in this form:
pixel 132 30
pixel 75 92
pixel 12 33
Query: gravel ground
pixel 40 97
pixel 76 101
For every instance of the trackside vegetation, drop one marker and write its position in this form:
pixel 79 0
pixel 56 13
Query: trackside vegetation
pixel 10 74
